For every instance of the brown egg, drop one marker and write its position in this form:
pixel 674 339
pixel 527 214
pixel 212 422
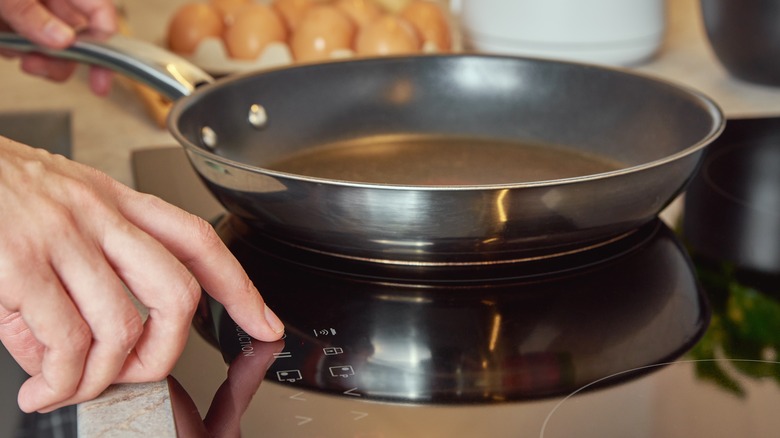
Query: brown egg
pixel 323 29
pixel 190 24
pixel 361 12
pixel 228 8
pixel 389 35
pixel 255 25
pixel 291 11
pixel 429 20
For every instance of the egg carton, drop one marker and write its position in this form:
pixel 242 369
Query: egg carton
pixel 212 55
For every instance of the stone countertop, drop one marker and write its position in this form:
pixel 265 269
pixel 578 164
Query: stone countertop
pixel 106 130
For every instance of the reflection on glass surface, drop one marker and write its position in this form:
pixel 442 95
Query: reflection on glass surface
pixel 727 385
pixel 732 227
pixel 491 335
pixel 745 327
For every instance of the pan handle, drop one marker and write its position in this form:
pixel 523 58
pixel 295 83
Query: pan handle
pixel 169 74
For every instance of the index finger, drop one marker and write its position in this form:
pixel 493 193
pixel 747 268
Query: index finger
pixel 195 243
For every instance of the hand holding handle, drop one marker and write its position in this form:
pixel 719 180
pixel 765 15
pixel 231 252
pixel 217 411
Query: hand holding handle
pixel 171 75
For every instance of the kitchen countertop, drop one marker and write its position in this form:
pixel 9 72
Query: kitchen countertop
pixel 106 130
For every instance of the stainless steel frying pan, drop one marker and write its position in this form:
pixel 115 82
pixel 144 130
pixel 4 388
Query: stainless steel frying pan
pixel 442 159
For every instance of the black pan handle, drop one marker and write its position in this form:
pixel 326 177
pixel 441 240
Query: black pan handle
pixel 169 74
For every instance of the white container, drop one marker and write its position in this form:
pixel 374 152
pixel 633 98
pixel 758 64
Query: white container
pixel 612 32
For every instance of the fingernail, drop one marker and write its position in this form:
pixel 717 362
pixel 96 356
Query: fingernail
pixel 58 33
pixel 273 321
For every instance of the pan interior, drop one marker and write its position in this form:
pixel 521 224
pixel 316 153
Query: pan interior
pixel 440 160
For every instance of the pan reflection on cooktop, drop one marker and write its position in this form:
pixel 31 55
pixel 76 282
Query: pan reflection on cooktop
pixel 489 335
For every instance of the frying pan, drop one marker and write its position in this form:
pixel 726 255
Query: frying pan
pixel 428 160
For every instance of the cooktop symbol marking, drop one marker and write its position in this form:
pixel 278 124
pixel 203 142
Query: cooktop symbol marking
pixel 359 415
pixel 342 371
pixel 303 420
pixel 324 332
pixel 282 355
pixel 297 396
pixel 353 392
pixel 332 351
pixel 289 375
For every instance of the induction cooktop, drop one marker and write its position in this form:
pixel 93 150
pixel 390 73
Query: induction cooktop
pixel 646 338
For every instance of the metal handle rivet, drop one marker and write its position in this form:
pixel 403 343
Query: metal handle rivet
pixel 209 137
pixel 257 116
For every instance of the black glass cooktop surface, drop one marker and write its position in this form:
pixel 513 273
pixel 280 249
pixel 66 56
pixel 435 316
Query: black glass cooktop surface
pixel 369 348
pixel 508 335
pixel 639 339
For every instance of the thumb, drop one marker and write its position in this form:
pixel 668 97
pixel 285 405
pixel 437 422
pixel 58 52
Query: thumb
pixel 34 21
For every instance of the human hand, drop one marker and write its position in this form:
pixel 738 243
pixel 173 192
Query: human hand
pixel 53 24
pixel 71 237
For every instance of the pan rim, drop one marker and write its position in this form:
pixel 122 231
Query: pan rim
pixel 707 103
